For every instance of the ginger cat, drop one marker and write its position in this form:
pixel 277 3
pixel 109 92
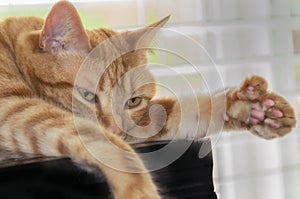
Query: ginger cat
pixel 43 112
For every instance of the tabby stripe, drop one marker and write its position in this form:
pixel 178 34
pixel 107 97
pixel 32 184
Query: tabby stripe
pixel 2 138
pixel 16 129
pixel 7 74
pixel 32 137
pixel 57 122
pixel 105 33
pixel 104 121
pixel 168 104
pixel 17 90
pixel 14 142
pixel 61 146
pixel 61 84
pixel 40 116
pixel 53 99
pixel 15 108
pixel 111 74
pixel 125 65
pixel 35 115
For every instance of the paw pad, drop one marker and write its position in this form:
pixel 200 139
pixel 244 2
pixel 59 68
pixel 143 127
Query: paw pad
pixel 269 115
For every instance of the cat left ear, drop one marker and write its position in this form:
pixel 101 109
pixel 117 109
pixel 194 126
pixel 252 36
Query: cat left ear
pixel 63 31
pixel 142 38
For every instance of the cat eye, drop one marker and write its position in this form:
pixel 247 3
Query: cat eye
pixel 87 95
pixel 133 102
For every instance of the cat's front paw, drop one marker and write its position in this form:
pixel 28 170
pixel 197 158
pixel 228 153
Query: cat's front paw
pixel 271 117
pixel 263 113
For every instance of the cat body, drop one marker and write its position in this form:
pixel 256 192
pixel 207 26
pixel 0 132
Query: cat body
pixel 45 111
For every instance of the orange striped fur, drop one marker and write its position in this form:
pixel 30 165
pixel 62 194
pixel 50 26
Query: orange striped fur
pixel 40 115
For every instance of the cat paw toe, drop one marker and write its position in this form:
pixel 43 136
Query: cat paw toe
pixel 267 132
pixel 252 88
pixel 263 131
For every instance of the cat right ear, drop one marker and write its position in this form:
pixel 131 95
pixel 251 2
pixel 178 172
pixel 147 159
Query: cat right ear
pixel 63 31
pixel 142 38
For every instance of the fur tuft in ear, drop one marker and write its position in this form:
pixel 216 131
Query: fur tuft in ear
pixel 63 31
pixel 142 38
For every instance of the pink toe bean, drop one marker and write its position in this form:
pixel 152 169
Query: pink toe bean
pixel 277 113
pixel 260 115
pixel 268 102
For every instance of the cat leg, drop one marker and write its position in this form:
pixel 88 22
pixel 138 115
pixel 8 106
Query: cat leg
pixel 263 113
pixel 103 153
pixel 249 107
pixel 33 127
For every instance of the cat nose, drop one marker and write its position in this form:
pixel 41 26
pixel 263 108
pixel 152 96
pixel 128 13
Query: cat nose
pixel 116 124
pixel 116 130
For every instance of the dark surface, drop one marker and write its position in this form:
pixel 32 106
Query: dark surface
pixel 189 177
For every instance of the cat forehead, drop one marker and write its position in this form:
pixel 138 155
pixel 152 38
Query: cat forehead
pixel 136 78
pixel 136 82
pixel 129 82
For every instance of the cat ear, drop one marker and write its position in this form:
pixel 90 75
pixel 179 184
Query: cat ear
pixel 142 38
pixel 63 31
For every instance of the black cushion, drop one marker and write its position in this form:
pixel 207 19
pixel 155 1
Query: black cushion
pixel 188 177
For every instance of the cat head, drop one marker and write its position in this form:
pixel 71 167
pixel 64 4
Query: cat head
pixel 91 71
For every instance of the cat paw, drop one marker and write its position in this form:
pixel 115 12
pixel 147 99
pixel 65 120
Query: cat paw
pixel 271 117
pixel 263 113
